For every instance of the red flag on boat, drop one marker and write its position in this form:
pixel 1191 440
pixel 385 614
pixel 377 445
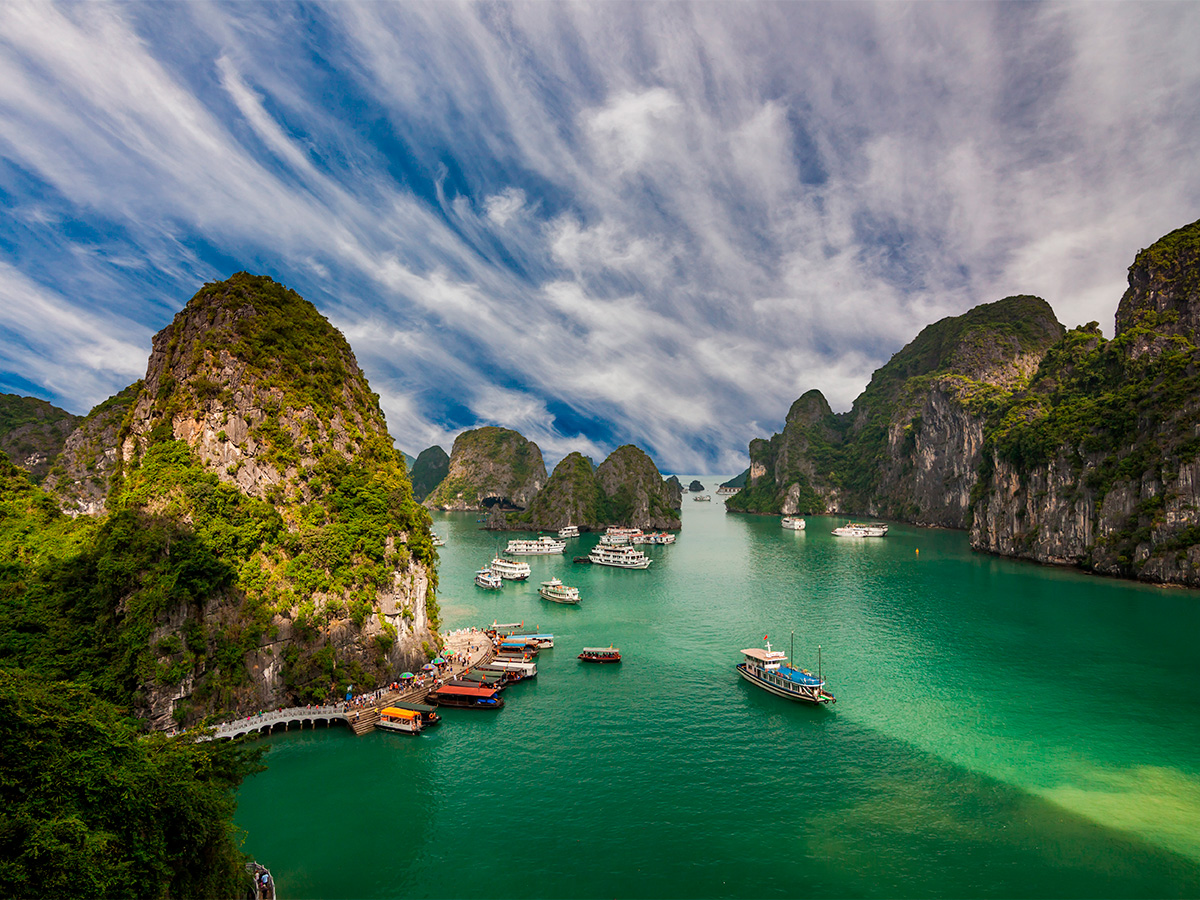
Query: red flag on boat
pixel 764 637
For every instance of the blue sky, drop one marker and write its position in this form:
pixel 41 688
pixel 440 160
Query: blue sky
pixel 595 223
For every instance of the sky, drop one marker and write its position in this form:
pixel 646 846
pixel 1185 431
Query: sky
pixel 594 223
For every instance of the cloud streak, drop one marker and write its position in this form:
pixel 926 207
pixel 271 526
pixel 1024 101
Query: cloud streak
pixel 596 223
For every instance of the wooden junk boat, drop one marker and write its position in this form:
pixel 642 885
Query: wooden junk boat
pixel 600 654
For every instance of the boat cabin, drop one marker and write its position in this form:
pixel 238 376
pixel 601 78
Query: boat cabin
pixel 393 718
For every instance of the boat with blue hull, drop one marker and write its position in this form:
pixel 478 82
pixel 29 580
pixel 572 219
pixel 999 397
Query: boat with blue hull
pixel 770 670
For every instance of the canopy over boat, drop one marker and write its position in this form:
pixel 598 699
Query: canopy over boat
pixel 464 691
pixel 764 656
pixel 414 707
pixel 397 712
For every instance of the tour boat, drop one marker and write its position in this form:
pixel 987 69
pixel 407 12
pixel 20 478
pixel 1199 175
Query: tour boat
pixel 855 529
pixel 568 531
pixel 543 545
pixel 405 721
pixel 510 569
pixel 557 592
pixel 438 540
pixel 466 697
pixel 428 714
pixel 623 557
pixel 488 579
pixel 726 489
pixel 615 536
pixel 661 537
pixel 795 523
pixel 769 670
pixel 600 654
pixel 703 498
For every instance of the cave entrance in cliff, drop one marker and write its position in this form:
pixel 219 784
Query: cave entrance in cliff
pixel 504 503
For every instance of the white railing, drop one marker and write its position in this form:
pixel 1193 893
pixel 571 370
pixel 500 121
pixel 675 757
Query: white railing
pixel 267 720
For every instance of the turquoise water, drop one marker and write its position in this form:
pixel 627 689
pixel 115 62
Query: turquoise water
pixel 1002 730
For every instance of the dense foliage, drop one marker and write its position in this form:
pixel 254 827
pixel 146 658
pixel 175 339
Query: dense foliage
pixel 91 808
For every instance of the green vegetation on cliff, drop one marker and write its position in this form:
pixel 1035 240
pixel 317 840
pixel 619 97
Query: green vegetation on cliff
pixel 32 432
pixel 978 355
pixel 432 465
pixel 626 489
pixel 490 465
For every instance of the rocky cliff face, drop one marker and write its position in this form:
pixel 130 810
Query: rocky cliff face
pixel 429 469
pixel 32 432
pixel 910 447
pixel 80 476
pixel 256 430
pixel 1097 464
pixel 490 466
pixel 627 489
pixel 1057 447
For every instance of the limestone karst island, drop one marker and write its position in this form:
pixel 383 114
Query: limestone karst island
pixel 227 573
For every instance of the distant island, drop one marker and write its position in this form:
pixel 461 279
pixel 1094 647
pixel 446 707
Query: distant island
pixel 497 470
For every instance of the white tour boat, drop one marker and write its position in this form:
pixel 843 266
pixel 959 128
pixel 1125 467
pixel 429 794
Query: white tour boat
pixel 568 531
pixel 489 580
pixel 769 670
pixel 557 592
pixel 622 556
pixel 855 529
pixel 703 498
pixel 795 523
pixel 660 537
pixel 510 569
pixel 438 540
pixel 541 547
pixel 615 536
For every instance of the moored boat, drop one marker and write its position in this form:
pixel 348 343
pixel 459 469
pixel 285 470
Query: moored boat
pixel 770 670
pixel 466 697
pixel 568 531
pixel 623 556
pixel 542 546
pixel 405 721
pixel 489 580
pixel 600 654
pixel 438 540
pixel 615 536
pixel 795 523
pixel 702 498
pixel 557 592
pixel 511 569
pixel 857 529
pixel 660 537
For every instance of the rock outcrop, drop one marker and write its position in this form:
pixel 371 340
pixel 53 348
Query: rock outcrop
pixel 80 476
pixel 255 444
pixel 432 465
pixel 626 489
pixel 32 432
pixel 910 447
pixel 1098 463
pixel 490 466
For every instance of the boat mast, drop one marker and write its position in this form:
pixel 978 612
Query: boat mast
pixel 792 658
pixel 819 662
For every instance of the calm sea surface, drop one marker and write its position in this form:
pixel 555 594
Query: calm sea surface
pixel 1002 730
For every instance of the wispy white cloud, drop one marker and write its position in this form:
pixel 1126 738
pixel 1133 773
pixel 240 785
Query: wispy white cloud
pixel 668 220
